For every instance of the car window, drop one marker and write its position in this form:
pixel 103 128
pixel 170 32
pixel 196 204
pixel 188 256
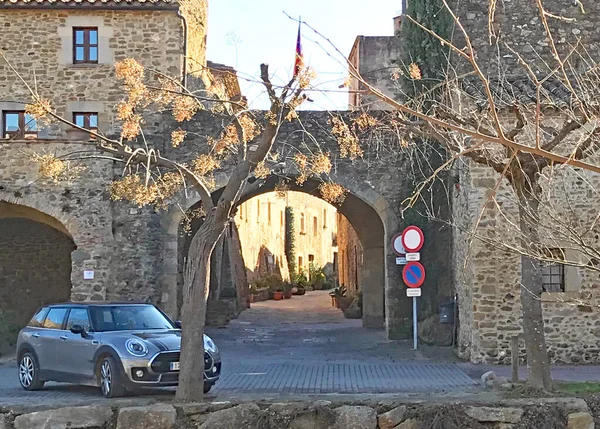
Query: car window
pixel 55 318
pixel 38 320
pixel 78 316
pixel 128 317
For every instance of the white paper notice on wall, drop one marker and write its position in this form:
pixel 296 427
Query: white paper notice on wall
pixel 88 275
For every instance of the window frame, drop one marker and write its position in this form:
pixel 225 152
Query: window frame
pixel 62 326
pixel 87 121
pixel 86 45
pixel 22 122
pixel 45 311
pixel 89 323
pixel 548 273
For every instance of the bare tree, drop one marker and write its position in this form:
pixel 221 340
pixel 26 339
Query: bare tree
pixel 522 125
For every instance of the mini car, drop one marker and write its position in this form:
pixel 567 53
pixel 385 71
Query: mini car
pixel 118 347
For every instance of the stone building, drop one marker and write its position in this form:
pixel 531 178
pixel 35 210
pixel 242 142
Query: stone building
pixel 487 278
pixel 108 250
pixel 261 222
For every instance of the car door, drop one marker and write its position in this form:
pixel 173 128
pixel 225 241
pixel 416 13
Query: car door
pixel 49 340
pixel 76 354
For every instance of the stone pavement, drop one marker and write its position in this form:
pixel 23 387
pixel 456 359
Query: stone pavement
pixel 304 345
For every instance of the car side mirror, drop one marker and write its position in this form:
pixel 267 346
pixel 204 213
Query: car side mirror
pixel 78 329
pixel 178 324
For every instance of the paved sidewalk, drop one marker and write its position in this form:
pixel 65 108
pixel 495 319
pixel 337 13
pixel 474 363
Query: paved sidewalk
pixel 304 345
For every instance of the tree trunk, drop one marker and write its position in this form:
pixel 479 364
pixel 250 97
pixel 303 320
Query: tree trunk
pixel 538 365
pixel 195 293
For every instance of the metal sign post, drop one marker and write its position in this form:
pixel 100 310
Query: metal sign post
pixel 410 242
pixel 414 323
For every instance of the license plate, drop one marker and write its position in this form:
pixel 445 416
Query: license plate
pixel 174 366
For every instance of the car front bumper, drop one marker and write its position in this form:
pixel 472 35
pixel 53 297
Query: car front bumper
pixel 157 372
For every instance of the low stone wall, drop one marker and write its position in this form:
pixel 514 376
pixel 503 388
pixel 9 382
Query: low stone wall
pixel 386 414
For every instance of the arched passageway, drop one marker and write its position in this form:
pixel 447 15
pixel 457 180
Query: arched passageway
pixel 35 266
pixel 363 218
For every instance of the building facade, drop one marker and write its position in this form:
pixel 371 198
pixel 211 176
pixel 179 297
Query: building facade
pixel 261 222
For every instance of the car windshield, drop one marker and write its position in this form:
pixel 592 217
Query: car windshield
pixel 128 318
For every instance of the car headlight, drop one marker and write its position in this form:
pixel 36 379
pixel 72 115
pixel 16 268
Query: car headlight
pixel 136 347
pixel 210 345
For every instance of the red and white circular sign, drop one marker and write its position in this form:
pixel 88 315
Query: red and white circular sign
pixel 413 239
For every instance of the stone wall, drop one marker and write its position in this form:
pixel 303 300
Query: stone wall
pixel 81 205
pixel 154 37
pixel 35 269
pixel 553 413
pixel 350 256
pixel 489 283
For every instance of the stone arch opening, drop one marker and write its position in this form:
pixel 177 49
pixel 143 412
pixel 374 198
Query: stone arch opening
pixel 35 266
pixel 365 220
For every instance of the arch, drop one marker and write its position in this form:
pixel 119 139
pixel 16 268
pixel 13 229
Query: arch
pixel 368 212
pixel 35 265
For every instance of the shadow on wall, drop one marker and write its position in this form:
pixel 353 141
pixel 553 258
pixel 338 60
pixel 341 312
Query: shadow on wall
pixel 35 269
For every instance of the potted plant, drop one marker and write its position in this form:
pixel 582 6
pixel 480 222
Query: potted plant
pixel 253 292
pixel 337 294
pixel 278 294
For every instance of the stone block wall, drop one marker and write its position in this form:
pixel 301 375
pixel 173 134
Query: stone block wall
pixel 489 281
pixel 154 37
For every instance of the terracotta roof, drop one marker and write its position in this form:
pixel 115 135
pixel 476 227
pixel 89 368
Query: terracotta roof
pixel 72 3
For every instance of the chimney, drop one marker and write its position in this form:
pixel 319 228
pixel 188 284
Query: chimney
pixel 397 23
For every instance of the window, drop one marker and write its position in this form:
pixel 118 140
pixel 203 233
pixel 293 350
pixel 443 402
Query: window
pixel 89 120
pixel 18 124
pixel 300 262
pixel 241 211
pixel 85 45
pixel 257 211
pixel 281 219
pixel 324 218
pixel 311 259
pixel 315 225
pixel 553 274
pixel 38 320
pixel 302 227
pixel 78 316
pixel 128 317
pixel 55 318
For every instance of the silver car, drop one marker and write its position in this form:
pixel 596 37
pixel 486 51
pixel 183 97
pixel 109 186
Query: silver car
pixel 118 347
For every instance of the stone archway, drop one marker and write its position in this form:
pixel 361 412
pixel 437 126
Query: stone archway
pixel 35 265
pixel 367 212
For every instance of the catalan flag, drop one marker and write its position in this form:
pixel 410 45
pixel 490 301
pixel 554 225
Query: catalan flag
pixel 299 62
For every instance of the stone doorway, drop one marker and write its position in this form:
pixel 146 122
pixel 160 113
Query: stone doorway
pixel 35 266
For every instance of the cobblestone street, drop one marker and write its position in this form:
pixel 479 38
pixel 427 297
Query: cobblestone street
pixel 304 345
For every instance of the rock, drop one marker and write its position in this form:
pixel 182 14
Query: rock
pixel 432 332
pixel 488 378
pixel 197 412
pixel 408 424
pixel 241 416
pixel 354 311
pixel 392 418
pixel 94 416
pixel 491 414
pixel 355 417
pixel 500 382
pixel 157 416
pixel 4 422
pixel 580 421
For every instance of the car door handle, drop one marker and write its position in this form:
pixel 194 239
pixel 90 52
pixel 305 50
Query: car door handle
pixel 95 342
pixel 63 337
pixel 35 335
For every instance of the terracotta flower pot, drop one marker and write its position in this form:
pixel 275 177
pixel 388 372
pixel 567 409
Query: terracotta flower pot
pixel 333 301
pixel 277 296
pixel 287 294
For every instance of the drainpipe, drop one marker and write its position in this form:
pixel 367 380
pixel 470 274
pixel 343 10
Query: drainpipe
pixel 185 47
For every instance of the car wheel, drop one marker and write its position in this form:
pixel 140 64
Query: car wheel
pixel 110 379
pixel 29 372
pixel 207 387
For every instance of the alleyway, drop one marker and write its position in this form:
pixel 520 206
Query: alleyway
pixel 304 345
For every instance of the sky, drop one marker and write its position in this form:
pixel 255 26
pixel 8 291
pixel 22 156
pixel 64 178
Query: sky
pixel 245 33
